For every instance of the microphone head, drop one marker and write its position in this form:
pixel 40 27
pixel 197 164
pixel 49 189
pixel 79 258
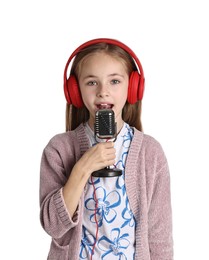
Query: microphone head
pixel 105 126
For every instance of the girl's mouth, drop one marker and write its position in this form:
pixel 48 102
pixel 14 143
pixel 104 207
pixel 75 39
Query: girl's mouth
pixel 104 106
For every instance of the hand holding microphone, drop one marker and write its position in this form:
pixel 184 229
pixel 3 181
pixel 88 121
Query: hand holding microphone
pixel 97 157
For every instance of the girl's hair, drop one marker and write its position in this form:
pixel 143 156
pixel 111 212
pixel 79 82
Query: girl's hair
pixel 131 113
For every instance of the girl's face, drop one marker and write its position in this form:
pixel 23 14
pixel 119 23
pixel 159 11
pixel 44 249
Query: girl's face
pixel 103 82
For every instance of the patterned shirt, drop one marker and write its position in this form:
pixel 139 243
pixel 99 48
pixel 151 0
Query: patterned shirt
pixel 106 209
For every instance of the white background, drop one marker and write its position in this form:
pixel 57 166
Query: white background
pixel 171 39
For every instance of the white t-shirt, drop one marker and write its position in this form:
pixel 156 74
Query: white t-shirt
pixel 112 216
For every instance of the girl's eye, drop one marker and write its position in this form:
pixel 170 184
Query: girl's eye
pixel 91 83
pixel 115 81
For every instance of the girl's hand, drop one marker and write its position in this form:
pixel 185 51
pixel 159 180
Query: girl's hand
pixel 97 157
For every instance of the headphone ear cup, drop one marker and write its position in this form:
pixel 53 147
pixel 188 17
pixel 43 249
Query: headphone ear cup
pixel 74 92
pixel 67 94
pixel 133 88
pixel 141 88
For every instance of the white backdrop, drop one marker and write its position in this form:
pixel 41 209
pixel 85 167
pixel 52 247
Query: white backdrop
pixel 171 40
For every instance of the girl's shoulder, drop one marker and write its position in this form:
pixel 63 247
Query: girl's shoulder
pixel 62 138
pixel 68 136
pixel 145 139
pixel 148 145
pixel 73 140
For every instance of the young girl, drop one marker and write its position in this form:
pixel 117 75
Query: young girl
pixel 121 217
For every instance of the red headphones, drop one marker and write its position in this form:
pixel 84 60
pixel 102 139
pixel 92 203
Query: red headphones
pixel 136 80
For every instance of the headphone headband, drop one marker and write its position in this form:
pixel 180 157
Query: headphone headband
pixel 108 41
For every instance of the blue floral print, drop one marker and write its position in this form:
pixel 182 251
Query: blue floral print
pixel 127 138
pixel 105 210
pixel 128 216
pixel 87 243
pixel 114 248
pixel 108 222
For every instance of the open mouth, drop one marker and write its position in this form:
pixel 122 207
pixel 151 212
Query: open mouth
pixel 104 106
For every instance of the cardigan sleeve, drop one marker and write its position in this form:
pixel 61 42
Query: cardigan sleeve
pixel 160 217
pixel 54 216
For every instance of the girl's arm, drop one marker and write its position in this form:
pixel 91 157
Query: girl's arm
pixel 160 217
pixel 97 157
pixel 60 195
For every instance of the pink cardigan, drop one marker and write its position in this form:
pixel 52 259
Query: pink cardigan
pixel 148 188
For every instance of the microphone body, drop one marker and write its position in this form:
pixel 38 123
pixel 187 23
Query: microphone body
pixel 106 128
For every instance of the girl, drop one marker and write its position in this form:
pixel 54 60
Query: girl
pixel 123 217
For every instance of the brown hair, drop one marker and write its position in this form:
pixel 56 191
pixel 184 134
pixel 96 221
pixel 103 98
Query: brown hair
pixel 131 113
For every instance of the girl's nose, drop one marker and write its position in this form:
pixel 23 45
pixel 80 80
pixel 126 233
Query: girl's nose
pixel 103 91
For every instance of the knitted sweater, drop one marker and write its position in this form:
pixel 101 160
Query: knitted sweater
pixel 147 183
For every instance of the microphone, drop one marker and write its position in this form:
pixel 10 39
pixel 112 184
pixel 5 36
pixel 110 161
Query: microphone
pixel 105 128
